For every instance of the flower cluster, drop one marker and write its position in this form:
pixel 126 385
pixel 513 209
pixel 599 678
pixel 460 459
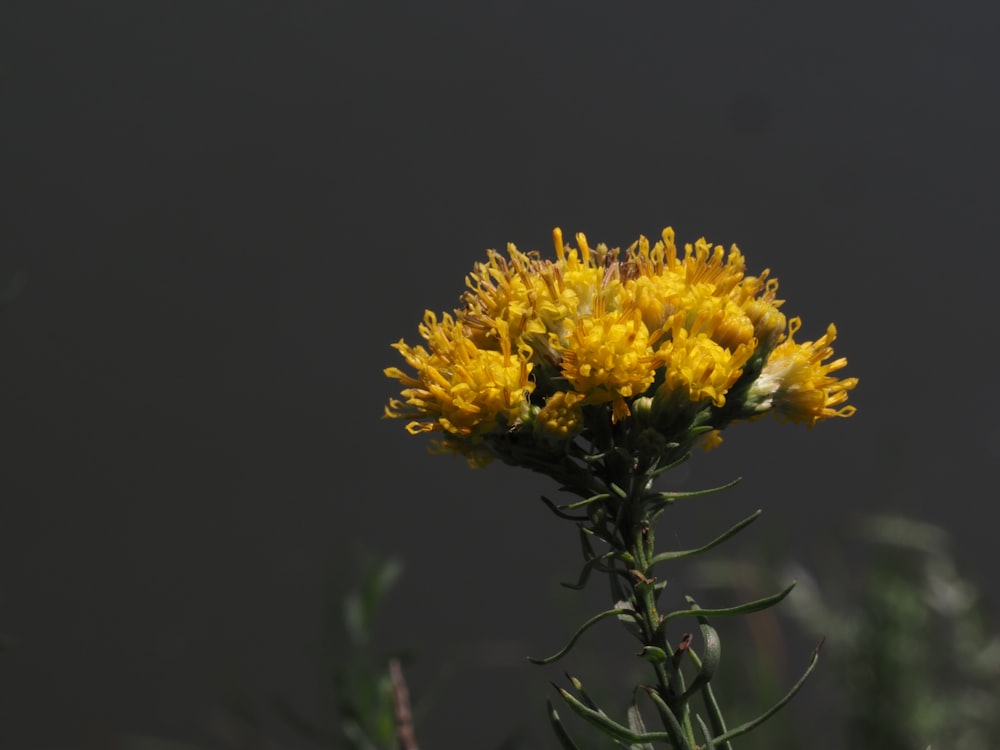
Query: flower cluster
pixel 650 351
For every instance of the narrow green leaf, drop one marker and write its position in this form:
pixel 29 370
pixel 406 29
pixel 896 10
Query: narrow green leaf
pixel 731 532
pixel 557 726
pixel 609 726
pixel 576 636
pixel 637 725
pixel 671 496
pixel 586 570
pixel 672 465
pixel 674 730
pixel 707 666
pixel 753 723
pixel 714 712
pixel 584 696
pixel 705 732
pixel 555 509
pixel 742 609
pixel 588 501
pixel 588 548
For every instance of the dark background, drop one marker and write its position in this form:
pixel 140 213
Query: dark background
pixel 226 211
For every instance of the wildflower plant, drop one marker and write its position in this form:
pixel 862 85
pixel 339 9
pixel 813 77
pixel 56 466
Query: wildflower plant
pixel 604 370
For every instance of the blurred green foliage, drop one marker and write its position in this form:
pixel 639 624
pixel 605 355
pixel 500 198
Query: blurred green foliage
pixel 362 715
pixel 913 662
pixel 357 709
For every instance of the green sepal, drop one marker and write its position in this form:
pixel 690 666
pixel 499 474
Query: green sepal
pixel 754 723
pixel 742 609
pixel 557 726
pixel 731 532
pixel 576 636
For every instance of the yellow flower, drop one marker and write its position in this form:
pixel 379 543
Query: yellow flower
pixel 562 416
pixel 797 384
pixel 705 286
pixel 698 367
pixel 711 440
pixel 460 388
pixel 574 286
pixel 651 340
pixel 609 358
pixel 502 290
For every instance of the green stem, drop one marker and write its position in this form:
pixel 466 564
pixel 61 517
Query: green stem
pixel 639 538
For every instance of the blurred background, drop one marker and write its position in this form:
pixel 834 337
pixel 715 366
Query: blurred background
pixel 216 216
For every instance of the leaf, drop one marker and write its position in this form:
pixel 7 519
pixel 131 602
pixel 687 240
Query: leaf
pixel 709 744
pixel 708 665
pixel 753 723
pixel 580 631
pixel 676 733
pixel 673 465
pixel 742 609
pixel 636 724
pixel 557 726
pixel 595 562
pixel 555 509
pixel 589 500
pixel 669 497
pixel 609 726
pixel 731 532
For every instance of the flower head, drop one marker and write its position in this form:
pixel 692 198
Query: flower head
pixel 547 361
pixel 797 384
pixel 459 387
pixel 609 358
